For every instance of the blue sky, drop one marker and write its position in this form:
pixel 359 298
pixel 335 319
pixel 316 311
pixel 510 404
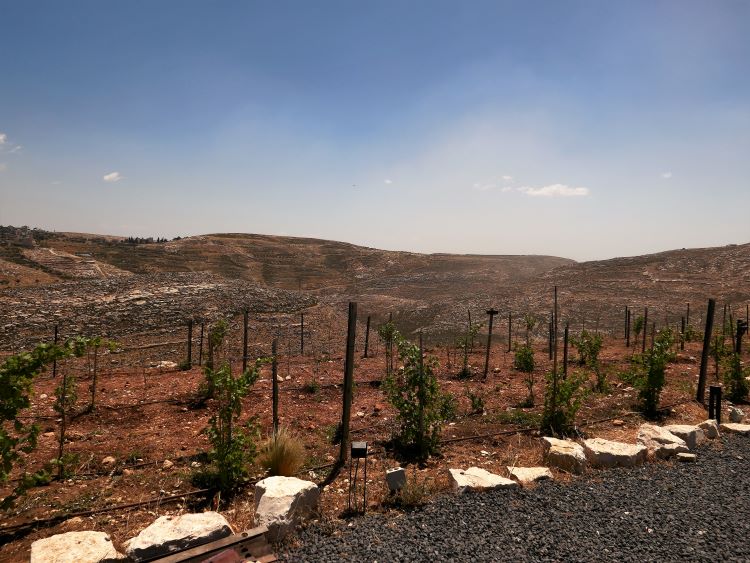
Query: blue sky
pixel 583 129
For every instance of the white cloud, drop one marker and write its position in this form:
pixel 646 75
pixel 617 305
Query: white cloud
pixel 507 189
pixel 508 178
pixel 484 187
pixel 3 138
pixel 666 175
pixel 16 149
pixel 554 190
pixel 112 177
pixel 3 167
pixel 388 181
pixel 56 183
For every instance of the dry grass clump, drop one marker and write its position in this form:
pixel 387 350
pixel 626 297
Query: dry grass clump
pixel 282 453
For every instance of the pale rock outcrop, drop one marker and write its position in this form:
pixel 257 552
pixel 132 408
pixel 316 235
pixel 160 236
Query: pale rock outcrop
pixel 564 454
pixel 661 443
pixel 693 435
pixel 395 478
pixel 734 428
pixel 168 534
pixel 527 475
pixel 281 503
pixel 75 547
pixel 477 479
pixel 710 428
pixel 606 453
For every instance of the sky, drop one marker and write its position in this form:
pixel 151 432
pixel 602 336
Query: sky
pixel 583 129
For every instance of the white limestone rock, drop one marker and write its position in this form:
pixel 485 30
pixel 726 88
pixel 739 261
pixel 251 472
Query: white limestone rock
pixel 527 475
pixel 168 534
pixel 661 443
pixel 693 435
pixel 75 547
pixel 281 503
pixel 686 457
pixel 734 428
pixel 710 428
pixel 564 454
pixel 477 479
pixel 606 453
pixel 395 478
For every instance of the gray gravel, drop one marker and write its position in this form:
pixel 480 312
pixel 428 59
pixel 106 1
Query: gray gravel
pixel 658 512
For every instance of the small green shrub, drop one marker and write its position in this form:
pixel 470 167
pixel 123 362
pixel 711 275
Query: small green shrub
pixel 562 399
pixel 523 359
pixel 735 378
pixel 233 444
pixel 649 369
pixel 477 402
pixel 312 386
pixel 282 453
pixel 422 407
pixel 413 494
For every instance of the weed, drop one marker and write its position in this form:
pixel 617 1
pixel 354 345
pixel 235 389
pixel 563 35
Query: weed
pixel 735 378
pixel 312 386
pixel 477 402
pixel 282 453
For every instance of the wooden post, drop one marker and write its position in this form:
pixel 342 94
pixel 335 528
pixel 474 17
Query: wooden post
pixel 706 350
pixel 302 335
pixel 549 338
pixel 714 403
pixel 741 330
pixel 471 345
pixel 421 399
pixel 244 341
pixel 367 337
pixel 351 334
pixel 627 332
pixel 275 385
pixel 645 328
pixel 565 352
pixel 200 346
pixel 491 312
pixel 54 361
pixel 626 322
pixel 682 332
pixel 510 330
pixel 190 343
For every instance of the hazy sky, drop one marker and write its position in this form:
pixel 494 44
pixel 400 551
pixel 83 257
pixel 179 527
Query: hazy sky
pixel 585 129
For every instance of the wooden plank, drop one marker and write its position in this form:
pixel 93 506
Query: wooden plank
pixel 248 543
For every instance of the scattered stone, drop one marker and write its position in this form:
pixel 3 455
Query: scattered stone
pixel 360 414
pixel 692 435
pixel 564 454
pixel 109 460
pixel 710 428
pixel 167 464
pixel 281 503
pixel 169 534
pixel 43 396
pixel 378 407
pixel 477 479
pixel 127 472
pixel 736 414
pixel 686 457
pixel 734 428
pixel 279 378
pixel 166 364
pixel 606 453
pixel 527 475
pixel 661 443
pixel 618 422
pixel 72 522
pixel 74 547
pixel 395 478
pixel 49 434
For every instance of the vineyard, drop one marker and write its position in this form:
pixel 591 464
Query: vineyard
pixel 127 429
